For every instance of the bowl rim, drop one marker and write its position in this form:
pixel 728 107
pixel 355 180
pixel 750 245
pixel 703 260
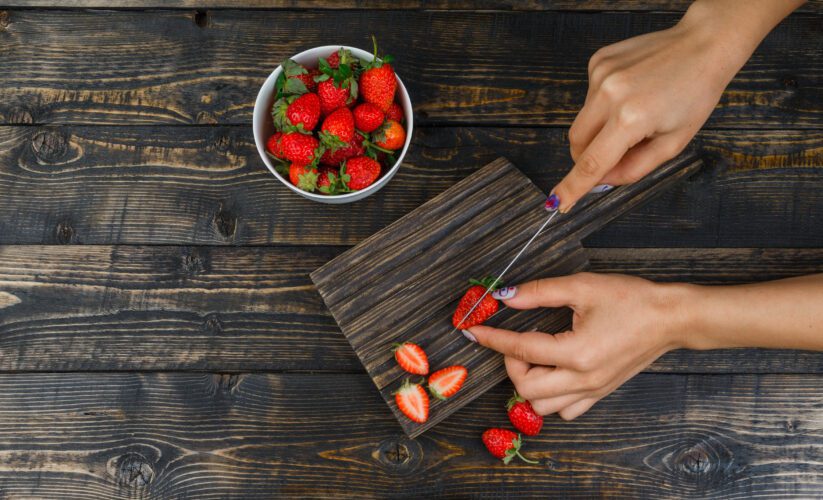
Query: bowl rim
pixel 263 96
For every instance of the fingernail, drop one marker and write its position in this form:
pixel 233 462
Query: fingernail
pixel 552 202
pixel 601 188
pixel 565 210
pixel 505 293
pixel 469 335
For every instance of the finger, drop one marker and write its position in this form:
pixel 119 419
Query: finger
pixel 516 368
pixel 547 292
pixel 642 159
pixel 588 122
pixel 547 406
pixel 605 150
pixel 532 347
pixel 577 409
pixel 542 382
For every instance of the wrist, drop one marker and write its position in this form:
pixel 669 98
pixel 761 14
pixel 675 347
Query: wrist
pixel 679 308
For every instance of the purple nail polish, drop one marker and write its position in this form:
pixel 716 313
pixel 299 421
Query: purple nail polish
pixel 469 335
pixel 504 293
pixel 552 202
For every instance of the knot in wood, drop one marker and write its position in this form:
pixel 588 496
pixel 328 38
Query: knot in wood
pixel 133 470
pixel 205 118
pixel 222 143
pixel 226 384
pixel 64 233
pixel 212 324
pixel 695 461
pixel 4 20
pixel 192 263
pixel 399 454
pixel 19 116
pixel 789 81
pixel 226 223
pixel 49 146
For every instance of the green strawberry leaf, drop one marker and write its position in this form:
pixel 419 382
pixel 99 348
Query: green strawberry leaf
pixel 323 66
pixel 278 85
pixel 331 141
pixel 291 68
pixel 321 78
pixel 308 181
pixel 295 86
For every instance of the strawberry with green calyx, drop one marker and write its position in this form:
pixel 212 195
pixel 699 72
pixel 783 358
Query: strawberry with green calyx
pixel 377 81
pixel 413 401
pixel 523 416
pixel 504 444
pixel 296 113
pixel 390 136
pixel 303 176
pixel 274 147
pixel 485 310
pixel 330 181
pixel 301 148
pixel 362 172
pixel 337 86
pixel 293 80
pixel 337 130
pixel 445 383
pixel 350 150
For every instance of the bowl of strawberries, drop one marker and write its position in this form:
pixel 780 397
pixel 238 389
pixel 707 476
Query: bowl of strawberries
pixel 333 123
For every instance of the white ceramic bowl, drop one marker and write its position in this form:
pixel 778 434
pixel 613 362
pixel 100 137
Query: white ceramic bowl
pixel 264 128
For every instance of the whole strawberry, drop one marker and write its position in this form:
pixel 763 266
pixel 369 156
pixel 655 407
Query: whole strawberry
pixel 504 444
pixel 337 129
pixel 367 117
pixel 352 149
pixel 308 79
pixel 299 148
pixel 303 176
pixel 377 82
pixel 395 113
pixel 332 96
pixel 274 147
pixel 295 79
pixel 390 135
pixel 329 181
pixel 483 311
pixel 523 417
pixel 362 172
pixel 297 112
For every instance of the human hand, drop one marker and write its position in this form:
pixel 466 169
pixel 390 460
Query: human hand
pixel 649 95
pixel 621 324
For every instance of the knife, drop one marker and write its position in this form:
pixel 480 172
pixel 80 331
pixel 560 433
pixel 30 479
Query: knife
pixel 552 204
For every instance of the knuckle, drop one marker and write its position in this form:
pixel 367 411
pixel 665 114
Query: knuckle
pixel 630 116
pixel 540 407
pixel 574 135
pixel 519 351
pixel 584 361
pixel 567 415
pixel 595 380
pixel 588 166
pixel 614 85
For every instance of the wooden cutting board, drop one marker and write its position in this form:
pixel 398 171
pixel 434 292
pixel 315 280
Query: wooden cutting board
pixel 403 283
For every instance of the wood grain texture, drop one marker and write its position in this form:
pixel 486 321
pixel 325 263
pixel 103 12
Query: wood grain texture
pixel 195 185
pixel 89 436
pixel 65 308
pixel 190 67
pixel 517 5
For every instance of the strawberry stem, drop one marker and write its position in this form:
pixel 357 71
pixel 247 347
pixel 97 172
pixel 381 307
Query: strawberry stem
pixel 526 459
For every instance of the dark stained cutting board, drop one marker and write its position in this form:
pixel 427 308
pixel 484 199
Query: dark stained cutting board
pixel 403 283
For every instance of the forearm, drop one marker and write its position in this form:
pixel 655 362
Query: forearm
pixel 777 314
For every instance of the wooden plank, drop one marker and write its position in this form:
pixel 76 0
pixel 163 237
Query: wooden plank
pixel 84 436
pixel 181 308
pixel 407 291
pixel 205 67
pixel 517 5
pixel 195 185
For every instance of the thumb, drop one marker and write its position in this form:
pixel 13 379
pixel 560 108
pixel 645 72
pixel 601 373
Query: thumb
pixel 546 292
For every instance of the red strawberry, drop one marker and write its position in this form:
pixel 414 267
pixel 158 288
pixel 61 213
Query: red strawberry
pixel 446 382
pixel 329 181
pixel 504 444
pixel 390 136
pixel 274 147
pixel 303 176
pixel 362 172
pixel 308 79
pixel 301 112
pixel 339 124
pixel 377 82
pixel 483 311
pixel 395 113
pixel 412 400
pixel 354 148
pixel 332 96
pixel 297 79
pixel 523 417
pixel 367 117
pixel 299 148
pixel 412 358
pixel 334 60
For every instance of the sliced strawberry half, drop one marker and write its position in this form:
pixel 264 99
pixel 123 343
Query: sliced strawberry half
pixel 413 402
pixel 446 382
pixel 412 358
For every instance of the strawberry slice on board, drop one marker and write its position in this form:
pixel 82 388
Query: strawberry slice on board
pixel 445 383
pixel 413 401
pixel 412 358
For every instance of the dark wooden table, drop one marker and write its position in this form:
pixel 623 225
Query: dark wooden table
pixel 159 335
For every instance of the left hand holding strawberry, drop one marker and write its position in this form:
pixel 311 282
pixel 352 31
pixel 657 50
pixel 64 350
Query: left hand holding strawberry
pixel 621 324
